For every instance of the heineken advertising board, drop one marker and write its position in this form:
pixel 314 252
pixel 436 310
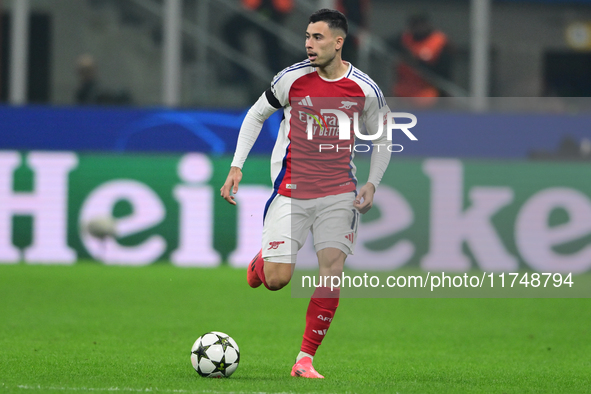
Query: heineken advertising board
pixel 437 214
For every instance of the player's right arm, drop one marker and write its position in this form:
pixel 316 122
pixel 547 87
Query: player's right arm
pixel 249 132
pixel 231 185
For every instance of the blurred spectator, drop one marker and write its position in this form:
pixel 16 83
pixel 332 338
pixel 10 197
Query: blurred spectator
pixel 422 48
pixel 357 13
pixel 238 25
pixel 89 91
pixel 87 88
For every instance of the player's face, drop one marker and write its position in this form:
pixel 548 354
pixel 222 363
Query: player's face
pixel 322 44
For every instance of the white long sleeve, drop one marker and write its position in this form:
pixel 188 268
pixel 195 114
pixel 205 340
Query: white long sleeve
pixel 380 158
pixel 380 155
pixel 251 128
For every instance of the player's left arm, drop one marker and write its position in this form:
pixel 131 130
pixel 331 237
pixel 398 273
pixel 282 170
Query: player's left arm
pixel 364 200
pixel 375 112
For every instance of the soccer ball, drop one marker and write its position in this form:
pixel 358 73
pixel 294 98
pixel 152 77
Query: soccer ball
pixel 215 355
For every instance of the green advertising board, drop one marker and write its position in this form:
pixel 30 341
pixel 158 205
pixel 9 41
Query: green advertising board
pixel 436 214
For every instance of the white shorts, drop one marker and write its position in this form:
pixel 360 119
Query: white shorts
pixel 332 219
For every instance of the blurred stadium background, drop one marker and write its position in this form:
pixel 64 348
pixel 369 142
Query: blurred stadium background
pixel 150 141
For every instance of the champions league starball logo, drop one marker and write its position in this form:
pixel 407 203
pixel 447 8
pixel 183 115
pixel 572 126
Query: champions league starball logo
pixel 336 122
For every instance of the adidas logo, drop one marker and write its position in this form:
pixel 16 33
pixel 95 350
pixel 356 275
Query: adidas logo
pixel 306 101
pixel 319 332
pixel 350 237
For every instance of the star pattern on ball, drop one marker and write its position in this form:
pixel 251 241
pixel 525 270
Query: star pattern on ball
pixel 224 342
pixel 220 366
pixel 200 352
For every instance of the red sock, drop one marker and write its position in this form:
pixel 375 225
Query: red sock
pixel 259 266
pixel 321 309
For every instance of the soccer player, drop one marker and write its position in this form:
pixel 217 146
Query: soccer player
pixel 314 190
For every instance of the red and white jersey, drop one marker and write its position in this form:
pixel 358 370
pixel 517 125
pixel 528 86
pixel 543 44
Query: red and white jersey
pixel 299 168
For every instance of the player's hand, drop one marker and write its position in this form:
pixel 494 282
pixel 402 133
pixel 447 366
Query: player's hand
pixel 231 185
pixel 364 200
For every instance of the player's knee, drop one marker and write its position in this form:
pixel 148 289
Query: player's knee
pixel 332 259
pixel 335 261
pixel 277 282
pixel 277 275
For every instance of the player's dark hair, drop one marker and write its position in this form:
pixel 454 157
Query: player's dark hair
pixel 335 19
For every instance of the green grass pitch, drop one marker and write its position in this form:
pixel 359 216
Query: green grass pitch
pixel 96 328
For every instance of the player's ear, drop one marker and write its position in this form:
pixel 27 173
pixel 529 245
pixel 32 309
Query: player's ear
pixel 339 42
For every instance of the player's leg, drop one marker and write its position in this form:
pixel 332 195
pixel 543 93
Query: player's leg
pixel 321 310
pixel 274 276
pixel 334 231
pixel 285 229
pixel 278 275
pixel 252 278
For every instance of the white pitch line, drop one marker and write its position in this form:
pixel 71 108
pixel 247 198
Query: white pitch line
pixel 128 389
